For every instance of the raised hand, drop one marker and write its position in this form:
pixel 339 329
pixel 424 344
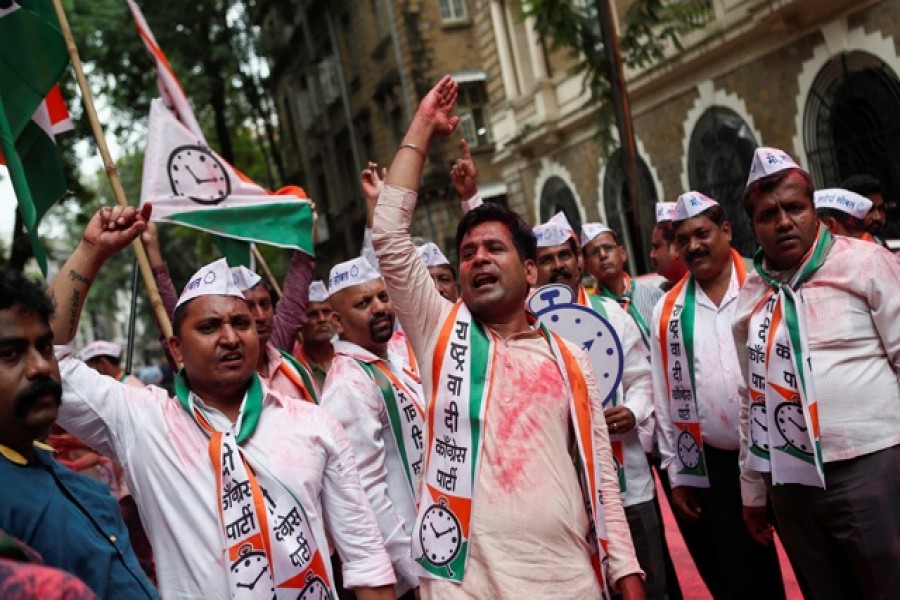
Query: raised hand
pixel 372 182
pixel 464 174
pixel 436 108
pixel 113 228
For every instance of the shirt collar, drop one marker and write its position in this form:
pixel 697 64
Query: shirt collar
pixel 16 458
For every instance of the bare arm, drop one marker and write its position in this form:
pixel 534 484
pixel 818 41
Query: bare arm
pixel 290 316
pixel 109 230
pixel 161 275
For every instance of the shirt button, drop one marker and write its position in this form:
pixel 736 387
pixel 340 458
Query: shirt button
pixel 113 538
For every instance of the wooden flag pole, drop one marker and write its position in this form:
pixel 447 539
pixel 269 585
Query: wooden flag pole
pixel 156 303
pixel 265 267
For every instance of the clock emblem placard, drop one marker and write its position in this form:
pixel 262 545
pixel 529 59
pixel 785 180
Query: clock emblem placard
pixel 195 172
pixel 440 534
pixel 791 424
pixel 315 589
pixel 759 429
pixel 688 450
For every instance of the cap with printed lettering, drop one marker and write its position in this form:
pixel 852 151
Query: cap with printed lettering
pixel 100 348
pixel 691 204
pixel 843 200
pixel 350 273
pixel 214 279
pixel 768 161
pixel 554 232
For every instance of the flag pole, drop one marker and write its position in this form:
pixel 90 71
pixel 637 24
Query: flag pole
pixel 156 303
pixel 265 267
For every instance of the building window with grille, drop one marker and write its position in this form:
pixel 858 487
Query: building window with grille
pixel 474 116
pixel 453 10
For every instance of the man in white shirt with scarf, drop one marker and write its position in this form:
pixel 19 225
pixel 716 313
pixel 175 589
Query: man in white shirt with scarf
pixel 817 329
pixel 379 401
pixel 696 378
pixel 236 484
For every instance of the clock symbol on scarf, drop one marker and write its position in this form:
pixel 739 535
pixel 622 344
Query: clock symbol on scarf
pixel 315 589
pixel 759 430
pixel 249 568
pixel 791 425
pixel 440 534
pixel 195 172
pixel 688 450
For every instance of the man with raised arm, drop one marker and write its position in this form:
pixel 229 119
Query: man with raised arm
pixel 696 381
pixel 236 483
pixel 501 511
pixel 379 401
pixel 816 329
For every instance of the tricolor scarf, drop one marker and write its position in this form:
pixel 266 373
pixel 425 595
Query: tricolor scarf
pixel 268 543
pixel 784 416
pixel 406 416
pixel 626 301
pixel 462 380
pixel 676 338
pixel 616 441
pixel 300 375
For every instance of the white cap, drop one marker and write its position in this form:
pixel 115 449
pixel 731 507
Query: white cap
pixel 215 279
pixel 691 204
pixel 664 211
pixel 591 230
pixel 843 200
pixel 554 232
pixel 432 255
pixel 767 161
pixel 350 273
pixel 100 348
pixel 244 278
pixel 317 291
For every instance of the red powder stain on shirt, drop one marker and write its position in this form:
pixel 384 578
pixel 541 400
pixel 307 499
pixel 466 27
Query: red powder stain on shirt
pixel 526 395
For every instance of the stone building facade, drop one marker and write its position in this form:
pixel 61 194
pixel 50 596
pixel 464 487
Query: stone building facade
pixel 346 76
pixel 817 78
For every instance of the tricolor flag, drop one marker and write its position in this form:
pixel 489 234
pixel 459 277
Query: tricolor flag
pixel 32 59
pixel 191 185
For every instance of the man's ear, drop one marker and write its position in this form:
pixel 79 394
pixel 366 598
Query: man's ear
pixel 338 324
pixel 175 350
pixel 531 272
pixel 726 229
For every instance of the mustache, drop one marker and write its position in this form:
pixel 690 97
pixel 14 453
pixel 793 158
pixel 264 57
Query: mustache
pixel 377 319
pixel 558 274
pixel 694 255
pixel 45 386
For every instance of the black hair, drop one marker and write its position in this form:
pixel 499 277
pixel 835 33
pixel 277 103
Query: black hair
pixel 522 235
pixel 178 317
pixel 766 184
pixel 667 231
pixel 863 184
pixel 849 222
pixel 18 290
pixel 714 213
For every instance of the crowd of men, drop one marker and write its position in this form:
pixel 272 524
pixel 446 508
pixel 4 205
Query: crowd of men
pixel 426 436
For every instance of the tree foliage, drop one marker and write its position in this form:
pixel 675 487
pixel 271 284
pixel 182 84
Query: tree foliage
pixel 650 27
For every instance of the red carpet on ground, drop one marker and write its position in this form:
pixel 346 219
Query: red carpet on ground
pixel 692 586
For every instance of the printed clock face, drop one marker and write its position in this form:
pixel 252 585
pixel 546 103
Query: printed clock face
pixel 759 429
pixel 315 589
pixel 791 425
pixel 688 450
pixel 196 173
pixel 440 535
pixel 249 570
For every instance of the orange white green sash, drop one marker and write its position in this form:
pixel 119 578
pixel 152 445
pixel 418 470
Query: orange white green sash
pixel 462 367
pixel 676 338
pixel 300 375
pixel 616 441
pixel 783 418
pixel 406 416
pixel 627 302
pixel 268 545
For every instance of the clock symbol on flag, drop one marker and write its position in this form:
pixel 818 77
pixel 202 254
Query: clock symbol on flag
pixel 195 172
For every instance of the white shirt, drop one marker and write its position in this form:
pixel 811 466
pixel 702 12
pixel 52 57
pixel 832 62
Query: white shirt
pixel 168 469
pixel 852 306
pixel 637 384
pixel 355 400
pixel 717 375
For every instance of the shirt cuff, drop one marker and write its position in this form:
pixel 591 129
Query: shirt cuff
pixel 753 489
pixel 62 351
pixel 373 571
pixel 398 197
pixel 473 202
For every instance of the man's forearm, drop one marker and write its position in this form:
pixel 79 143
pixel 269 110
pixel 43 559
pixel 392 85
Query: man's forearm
pixel 385 592
pixel 406 170
pixel 69 289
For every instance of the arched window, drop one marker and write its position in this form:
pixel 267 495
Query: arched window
pixel 719 157
pixel 556 196
pixel 620 213
pixel 852 124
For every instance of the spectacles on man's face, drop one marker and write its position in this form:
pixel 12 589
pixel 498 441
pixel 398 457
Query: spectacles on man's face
pixel 606 248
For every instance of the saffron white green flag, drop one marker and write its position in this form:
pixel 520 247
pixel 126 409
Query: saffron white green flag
pixel 191 185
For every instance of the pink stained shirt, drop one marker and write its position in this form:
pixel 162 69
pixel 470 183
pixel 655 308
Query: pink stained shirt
pixel 529 524
pixel 852 306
